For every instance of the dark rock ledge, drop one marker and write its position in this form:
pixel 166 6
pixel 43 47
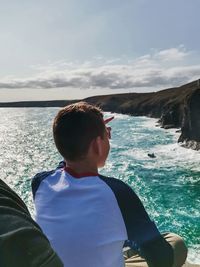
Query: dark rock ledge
pixel 177 107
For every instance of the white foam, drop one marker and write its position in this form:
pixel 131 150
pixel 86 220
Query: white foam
pixel 149 122
pixel 172 155
pixel 118 116
pixel 168 155
pixel 193 254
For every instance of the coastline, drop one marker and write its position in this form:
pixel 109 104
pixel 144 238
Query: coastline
pixel 174 108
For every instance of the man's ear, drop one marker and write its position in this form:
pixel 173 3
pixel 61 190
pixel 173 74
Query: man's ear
pixel 97 145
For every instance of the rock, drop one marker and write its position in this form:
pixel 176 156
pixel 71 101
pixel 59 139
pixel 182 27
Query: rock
pixel 190 128
pixel 151 155
pixel 169 126
pixel 169 118
pixel 191 144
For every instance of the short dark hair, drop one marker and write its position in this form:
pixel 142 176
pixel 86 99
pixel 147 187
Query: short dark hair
pixel 74 127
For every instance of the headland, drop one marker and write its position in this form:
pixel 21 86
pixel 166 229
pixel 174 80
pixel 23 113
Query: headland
pixel 177 107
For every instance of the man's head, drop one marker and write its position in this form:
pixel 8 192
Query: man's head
pixel 76 128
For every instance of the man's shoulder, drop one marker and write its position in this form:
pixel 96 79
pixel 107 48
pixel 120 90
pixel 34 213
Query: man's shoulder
pixel 40 176
pixel 115 184
pixel 125 195
pixel 128 200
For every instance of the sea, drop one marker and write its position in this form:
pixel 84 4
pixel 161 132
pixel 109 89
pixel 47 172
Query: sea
pixel 168 184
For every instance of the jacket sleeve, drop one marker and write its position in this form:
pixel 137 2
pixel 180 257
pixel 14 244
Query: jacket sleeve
pixel 39 177
pixel 142 233
pixel 22 242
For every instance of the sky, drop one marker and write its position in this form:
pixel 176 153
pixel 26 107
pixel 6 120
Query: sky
pixel 72 49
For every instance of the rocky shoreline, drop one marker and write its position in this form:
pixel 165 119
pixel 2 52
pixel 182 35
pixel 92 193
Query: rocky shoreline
pixel 177 107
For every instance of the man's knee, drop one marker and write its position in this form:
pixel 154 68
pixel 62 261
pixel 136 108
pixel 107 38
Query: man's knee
pixel 179 248
pixel 175 241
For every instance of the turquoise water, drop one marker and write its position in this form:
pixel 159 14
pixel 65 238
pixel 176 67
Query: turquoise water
pixel 169 185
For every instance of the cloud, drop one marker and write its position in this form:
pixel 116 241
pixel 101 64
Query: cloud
pixel 154 71
pixel 172 54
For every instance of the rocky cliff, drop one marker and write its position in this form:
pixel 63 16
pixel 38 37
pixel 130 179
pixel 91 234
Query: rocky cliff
pixel 174 107
pixel 190 124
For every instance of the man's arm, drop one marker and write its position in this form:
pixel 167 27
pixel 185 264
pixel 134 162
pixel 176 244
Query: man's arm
pixel 142 232
pixel 22 242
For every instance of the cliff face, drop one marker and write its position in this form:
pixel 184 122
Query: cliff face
pixel 175 107
pixel 190 128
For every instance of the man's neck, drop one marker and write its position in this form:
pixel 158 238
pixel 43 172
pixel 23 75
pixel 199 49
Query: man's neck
pixel 83 166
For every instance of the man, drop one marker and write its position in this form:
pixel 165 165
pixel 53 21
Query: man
pixel 22 243
pixel 88 217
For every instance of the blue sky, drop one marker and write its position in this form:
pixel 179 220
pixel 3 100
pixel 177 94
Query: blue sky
pixel 67 49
